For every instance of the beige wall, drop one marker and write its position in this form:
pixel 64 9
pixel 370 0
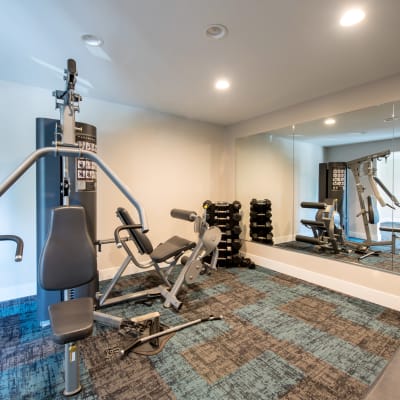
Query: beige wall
pixel 168 162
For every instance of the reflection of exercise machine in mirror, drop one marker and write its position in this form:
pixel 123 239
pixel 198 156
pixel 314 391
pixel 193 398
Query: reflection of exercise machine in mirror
pixel 366 166
pixel 328 227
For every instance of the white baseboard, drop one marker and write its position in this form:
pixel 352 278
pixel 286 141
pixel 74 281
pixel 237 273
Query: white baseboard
pixel 17 291
pixel 367 284
pixel 349 288
pixel 283 239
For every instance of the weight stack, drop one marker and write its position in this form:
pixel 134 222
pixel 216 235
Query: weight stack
pixel 261 221
pixel 226 216
pixel 48 196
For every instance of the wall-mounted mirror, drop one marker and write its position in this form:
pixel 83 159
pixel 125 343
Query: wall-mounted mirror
pixel 333 187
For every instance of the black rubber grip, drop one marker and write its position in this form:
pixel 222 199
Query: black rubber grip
pixel 186 215
pixel 307 239
pixel 313 222
pixel 71 66
pixel 312 204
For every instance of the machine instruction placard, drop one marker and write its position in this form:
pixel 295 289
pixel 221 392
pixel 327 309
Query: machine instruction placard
pixel 86 173
pixel 338 178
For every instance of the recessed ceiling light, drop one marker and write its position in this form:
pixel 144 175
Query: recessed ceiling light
pixel 222 84
pixel 92 40
pixel 352 17
pixel 216 31
pixel 330 121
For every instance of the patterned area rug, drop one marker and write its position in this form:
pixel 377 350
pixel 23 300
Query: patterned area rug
pixel 281 338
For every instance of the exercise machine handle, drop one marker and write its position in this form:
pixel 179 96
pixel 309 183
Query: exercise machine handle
pixel 74 152
pixel 117 238
pixel 391 196
pixel 311 204
pixel 135 342
pixel 20 245
pixel 186 215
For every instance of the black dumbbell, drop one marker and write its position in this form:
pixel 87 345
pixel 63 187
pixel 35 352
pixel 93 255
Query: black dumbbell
pixel 223 212
pixel 267 226
pixel 236 205
pixel 236 230
pixel 255 214
pixel 233 243
pixel 245 262
pixel 248 263
pixel 221 262
pixel 264 202
pixel 209 206
pixel 260 221
pixel 222 205
pixel 223 252
pixel 236 260
pixel 223 226
pixel 234 217
pixel 258 237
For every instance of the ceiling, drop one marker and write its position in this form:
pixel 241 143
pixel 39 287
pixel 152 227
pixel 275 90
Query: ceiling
pixel 156 54
pixel 376 123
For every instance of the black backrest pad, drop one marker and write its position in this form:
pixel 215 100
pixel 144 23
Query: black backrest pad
pixel 141 240
pixel 68 259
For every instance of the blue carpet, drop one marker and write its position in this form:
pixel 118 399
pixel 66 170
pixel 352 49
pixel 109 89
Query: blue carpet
pixel 281 338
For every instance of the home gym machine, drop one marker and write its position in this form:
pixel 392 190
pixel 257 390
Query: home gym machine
pixel 70 320
pixel 68 258
pixel 168 253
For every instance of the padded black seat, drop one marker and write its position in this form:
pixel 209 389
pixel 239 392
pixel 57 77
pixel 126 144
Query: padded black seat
pixel 68 260
pixel 164 251
pixel 72 320
pixel 171 248
pixel 312 222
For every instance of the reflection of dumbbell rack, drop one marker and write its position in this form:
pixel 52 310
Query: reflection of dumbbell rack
pixel 261 221
pixel 227 217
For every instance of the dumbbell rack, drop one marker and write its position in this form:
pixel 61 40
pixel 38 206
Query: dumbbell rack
pixel 226 216
pixel 261 221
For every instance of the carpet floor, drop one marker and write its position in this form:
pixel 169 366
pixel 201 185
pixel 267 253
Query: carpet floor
pixel 281 338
